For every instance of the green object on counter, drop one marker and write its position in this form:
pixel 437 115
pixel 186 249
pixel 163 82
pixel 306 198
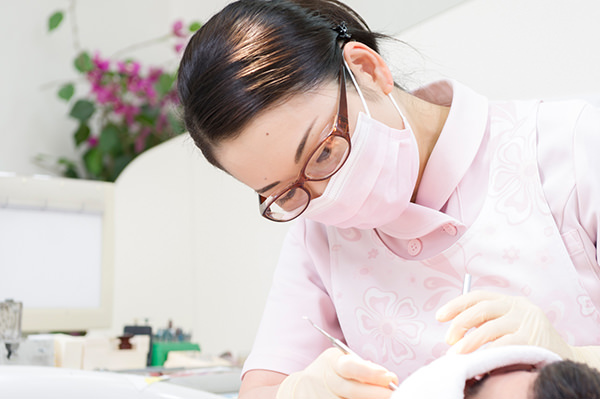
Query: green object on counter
pixel 160 350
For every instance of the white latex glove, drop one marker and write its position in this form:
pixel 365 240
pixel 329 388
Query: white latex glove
pixel 335 375
pixel 505 320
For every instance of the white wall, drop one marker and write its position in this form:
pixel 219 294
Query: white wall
pixel 191 246
pixel 511 48
pixel 503 49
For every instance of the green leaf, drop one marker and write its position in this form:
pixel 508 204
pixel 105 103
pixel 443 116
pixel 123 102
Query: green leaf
pixel 120 163
pixel 194 26
pixel 147 115
pixel 93 161
pixel 71 172
pixel 152 140
pixel 70 168
pixel 83 62
pixel 81 134
pixel 164 83
pixel 55 20
pixel 109 142
pixel 66 162
pixel 82 110
pixel 66 92
pixel 145 119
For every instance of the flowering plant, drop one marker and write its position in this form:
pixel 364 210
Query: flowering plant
pixel 126 110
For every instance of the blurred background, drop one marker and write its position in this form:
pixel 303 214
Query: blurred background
pixel 191 267
pixel 508 49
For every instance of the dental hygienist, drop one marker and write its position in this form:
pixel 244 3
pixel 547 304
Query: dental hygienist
pixel 395 196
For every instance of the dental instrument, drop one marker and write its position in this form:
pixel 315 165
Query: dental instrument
pixel 342 346
pixel 466 284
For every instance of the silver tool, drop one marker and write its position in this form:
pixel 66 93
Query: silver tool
pixel 466 284
pixel 342 346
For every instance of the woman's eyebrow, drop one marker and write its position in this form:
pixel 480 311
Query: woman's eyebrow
pixel 297 158
pixel 302 143
pixel 267 187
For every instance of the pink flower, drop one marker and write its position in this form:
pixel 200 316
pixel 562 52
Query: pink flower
pixel 179 46
pixel 94 76
pixel 154 74
pixel 92 141
pixel 134 84
pixel 178 28
pixel 150 93
pixel 119 107
pixel 161 122
pixel 173 97
pixel 103 94
pixel 130 112
pixel 129 68
pixel 101 64
pixel 140 141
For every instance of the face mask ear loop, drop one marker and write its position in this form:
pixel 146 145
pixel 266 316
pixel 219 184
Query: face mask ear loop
pixel 356 85
pixel 404 120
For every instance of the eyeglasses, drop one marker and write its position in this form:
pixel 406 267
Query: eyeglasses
pixel 474 384
pixel 325 160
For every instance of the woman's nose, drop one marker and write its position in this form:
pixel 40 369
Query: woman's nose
pixel 316 188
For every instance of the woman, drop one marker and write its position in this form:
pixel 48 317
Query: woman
pixel 395 196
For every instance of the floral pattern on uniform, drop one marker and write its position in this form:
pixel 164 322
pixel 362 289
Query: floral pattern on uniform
pixel 391 324
pixel 515 180
pixel 586 306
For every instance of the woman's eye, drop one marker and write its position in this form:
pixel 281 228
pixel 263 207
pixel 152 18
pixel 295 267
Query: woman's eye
pixel 288 196
pixel 324 154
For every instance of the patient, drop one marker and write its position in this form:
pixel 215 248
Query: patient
pixel 558 380
pixel 515 372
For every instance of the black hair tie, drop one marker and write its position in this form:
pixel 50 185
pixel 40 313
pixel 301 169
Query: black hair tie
pixel 342 31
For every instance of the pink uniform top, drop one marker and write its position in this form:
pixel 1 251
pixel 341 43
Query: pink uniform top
pixel 511 194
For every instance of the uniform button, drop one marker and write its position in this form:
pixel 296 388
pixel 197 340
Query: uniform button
pixel 415 246
pixel 450 229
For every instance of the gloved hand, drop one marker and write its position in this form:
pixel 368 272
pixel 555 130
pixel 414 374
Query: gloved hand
pixel 505 320
pixel 335 375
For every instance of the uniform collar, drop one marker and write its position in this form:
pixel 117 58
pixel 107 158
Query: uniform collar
pixel 449 161
pixel 458 143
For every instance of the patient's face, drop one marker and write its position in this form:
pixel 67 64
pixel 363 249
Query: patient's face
pixel 513 385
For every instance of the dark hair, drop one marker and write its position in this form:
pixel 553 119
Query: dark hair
pixel 567 380
pixel 255 54
pixel 559 380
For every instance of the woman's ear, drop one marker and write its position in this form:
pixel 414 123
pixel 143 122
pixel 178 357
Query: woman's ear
pixel 368 67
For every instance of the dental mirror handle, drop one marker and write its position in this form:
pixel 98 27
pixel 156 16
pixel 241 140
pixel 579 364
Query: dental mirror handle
pixel 466 284
pixel 342 346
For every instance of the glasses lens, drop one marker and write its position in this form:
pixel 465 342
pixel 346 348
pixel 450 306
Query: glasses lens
pixel 288 205
pixel 328 158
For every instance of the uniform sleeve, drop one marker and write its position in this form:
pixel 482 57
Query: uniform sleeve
pixel 586 153
pixel 285 341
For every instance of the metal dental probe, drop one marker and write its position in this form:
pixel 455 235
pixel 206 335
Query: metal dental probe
pixel 342 346
pixel 466 284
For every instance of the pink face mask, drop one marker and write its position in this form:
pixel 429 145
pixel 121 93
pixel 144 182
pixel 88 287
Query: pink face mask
pixel 376 183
